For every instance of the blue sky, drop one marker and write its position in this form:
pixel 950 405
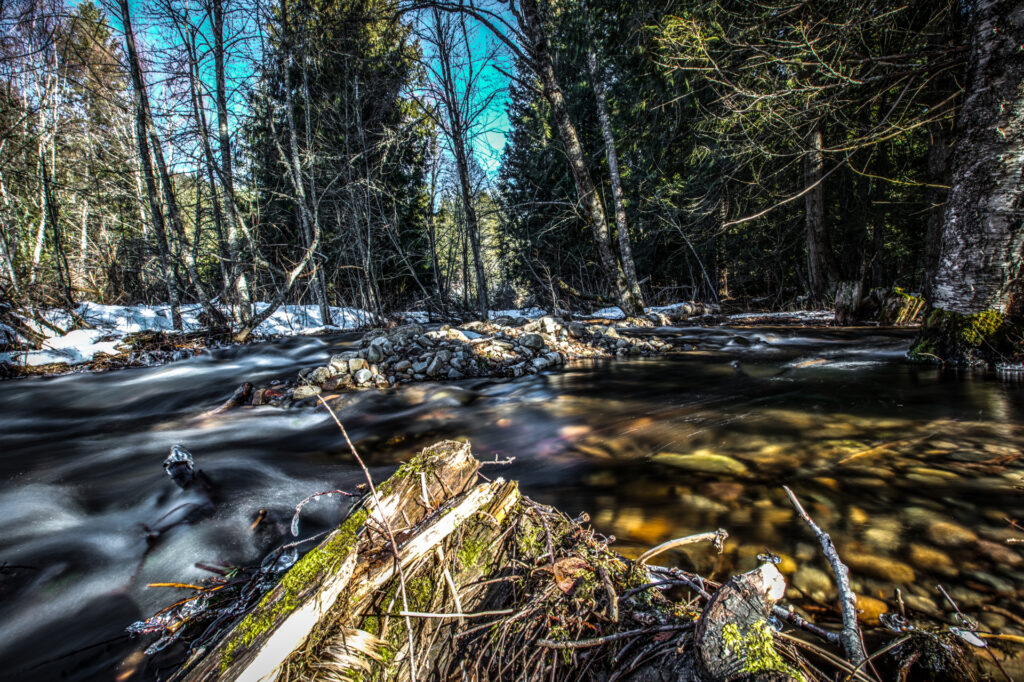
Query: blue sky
pixel 492 128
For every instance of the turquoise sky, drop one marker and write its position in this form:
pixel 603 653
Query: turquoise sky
pixel 492 128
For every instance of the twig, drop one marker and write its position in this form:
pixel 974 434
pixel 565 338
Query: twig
pixel 850 635
pixel 717 537
pixel 387 527
pixel 613 599
pixel 478 614
pixel 598 641
pixel 799 621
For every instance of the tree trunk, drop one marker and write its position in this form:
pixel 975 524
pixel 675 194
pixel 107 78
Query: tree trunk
pixel 980 251
pixel 238 280
pixel 821 268
pixel 977 282
pixel 621 226
pixel 540 50
pixel 156 214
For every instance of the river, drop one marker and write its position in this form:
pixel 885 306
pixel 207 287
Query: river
pixel 912 469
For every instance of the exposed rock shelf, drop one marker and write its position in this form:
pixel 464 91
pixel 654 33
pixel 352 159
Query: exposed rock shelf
pixel 506 347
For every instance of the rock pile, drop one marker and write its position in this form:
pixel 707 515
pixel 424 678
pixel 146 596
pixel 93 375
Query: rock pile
pixel 506 347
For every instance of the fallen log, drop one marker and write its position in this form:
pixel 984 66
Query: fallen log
pixel 496 587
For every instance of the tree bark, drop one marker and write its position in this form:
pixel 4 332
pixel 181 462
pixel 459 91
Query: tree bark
pixel 821 268
pixel 156 214
pixel 612 156
pixel 980 257
pixel 238 281
pixel 540 52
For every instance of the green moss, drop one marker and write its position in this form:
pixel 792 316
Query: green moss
pixel 286 596
pixel 971 330
pixel 426 461
pixel 978 339
pixel 471 554
pixel 757 649
pixel 420 592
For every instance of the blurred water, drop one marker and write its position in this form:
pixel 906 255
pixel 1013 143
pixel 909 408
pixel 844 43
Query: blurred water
pixel 882 452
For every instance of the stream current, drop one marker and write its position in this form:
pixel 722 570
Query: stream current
pixel 911 468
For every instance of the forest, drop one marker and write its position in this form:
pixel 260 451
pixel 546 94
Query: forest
pixel 512 340
pixel 223 152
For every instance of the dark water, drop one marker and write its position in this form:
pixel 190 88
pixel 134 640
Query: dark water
pixel 911 468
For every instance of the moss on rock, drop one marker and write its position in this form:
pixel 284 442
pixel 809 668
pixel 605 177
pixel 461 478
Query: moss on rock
pixel 972 340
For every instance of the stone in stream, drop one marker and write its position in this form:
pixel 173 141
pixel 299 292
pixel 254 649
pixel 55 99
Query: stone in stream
pixel 437 364
pixel 339 362
pixel 705 463
pixel 374 354
pixel 356 364
pixel 402 365
pixel 948 534
pixel 320 375
pixel 363 376
pixel 814 583
pixel 532 341
pixel 883 568
pixel 303 392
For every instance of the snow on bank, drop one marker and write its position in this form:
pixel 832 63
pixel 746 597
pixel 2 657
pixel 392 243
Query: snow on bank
pixel 112 323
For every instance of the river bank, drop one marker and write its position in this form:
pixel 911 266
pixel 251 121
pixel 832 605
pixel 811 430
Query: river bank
pixel 80 471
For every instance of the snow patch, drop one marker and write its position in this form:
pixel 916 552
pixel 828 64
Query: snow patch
pixel 114 322
pixel 529 313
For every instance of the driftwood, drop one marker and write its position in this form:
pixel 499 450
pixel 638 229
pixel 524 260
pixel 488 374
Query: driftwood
pixel 489 585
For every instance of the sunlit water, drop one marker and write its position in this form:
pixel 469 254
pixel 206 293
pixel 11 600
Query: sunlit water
pixel 911 468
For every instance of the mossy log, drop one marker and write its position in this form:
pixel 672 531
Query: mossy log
pixel 487 584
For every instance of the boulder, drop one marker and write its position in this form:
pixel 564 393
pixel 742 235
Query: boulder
pixel 339 362
pixel 374 353
pixel 532 341
pixel 305 391
pixel 320 375
pixel 436 366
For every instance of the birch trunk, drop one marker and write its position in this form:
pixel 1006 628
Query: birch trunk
pixel 612 156
pixel 980 255
pixel 540 49
pixel 141 138
pixel 239 282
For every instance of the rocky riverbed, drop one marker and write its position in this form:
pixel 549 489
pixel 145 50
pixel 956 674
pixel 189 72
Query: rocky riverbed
pixel 505 347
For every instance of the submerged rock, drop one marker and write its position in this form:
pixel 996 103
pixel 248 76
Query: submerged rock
pixel 705 463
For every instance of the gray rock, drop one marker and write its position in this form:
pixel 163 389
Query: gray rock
pixel 555 357
pixel 611 332
pixel 455 374
pixel 402 365
pixel 320 375
pixel 419 377
pixel 532 341
pixel 541 362
pixel 436 366
pixel 374 353
pixel 444 355
pixel 356 364
pixel 303 392
pixel 577 330
pixel 420 366
pixel 363 376
pixel 339 362
pixel 549 324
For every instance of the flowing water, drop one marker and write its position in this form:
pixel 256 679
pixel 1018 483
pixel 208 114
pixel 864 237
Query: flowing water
pixel 911 468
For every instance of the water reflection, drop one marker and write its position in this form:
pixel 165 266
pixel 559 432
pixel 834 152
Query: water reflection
pixel 912 470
